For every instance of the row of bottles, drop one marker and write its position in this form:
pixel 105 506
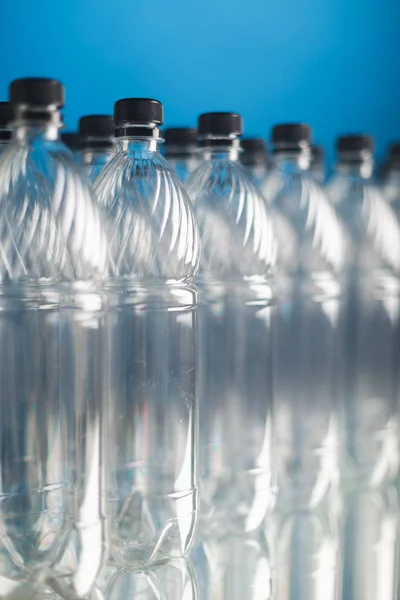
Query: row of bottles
pixel 205 367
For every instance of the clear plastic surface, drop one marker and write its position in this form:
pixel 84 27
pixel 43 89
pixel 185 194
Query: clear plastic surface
pixel 235 345
pixel 310 256
pixel 369 361
pixel 93 160
pixel 152 474
pixel 53 253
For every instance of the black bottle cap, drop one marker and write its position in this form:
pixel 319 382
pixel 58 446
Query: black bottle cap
pixel 5 114
pixel 71 139
pixel 355 144
pixel 291 135
pixel 180 136
pixel 253 145
pixel 139 111
pixel 317 153
pixel 37 92
pixel 220 124
pixel 97 126
pixel 394 151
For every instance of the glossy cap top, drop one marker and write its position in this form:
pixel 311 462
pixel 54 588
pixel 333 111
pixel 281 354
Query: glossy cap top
pixel 96 126
pixel 180 136
pixel 138 110
pixel 220 124
pixel 355 144
pixel 37 92
pixel 291 134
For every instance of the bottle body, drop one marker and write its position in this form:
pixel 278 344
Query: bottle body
pixel 152 474
pixel 368 404
pixel 153 496
pixel 52 396
pixel 235 387
pixel 235 347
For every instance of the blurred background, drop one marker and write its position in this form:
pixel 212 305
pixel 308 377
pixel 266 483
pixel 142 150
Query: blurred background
pixel 332 63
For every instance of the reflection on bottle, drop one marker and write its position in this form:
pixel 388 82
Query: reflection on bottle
pixel 234 568
pixel 369 545
pixel 306 557
pixel 174 580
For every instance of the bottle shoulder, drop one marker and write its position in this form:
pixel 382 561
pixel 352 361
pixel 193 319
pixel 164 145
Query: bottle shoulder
pixel 234 221
pixel 50 224
pixel 152 229
pixel 310 235
pixel 370 221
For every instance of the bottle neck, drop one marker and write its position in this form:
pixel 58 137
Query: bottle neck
pixel 356 167
pixel 293 161
pixel 137 146
pixel 220 153
pixel 30 123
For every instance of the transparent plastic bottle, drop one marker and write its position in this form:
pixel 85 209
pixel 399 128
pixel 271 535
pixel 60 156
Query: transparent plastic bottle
pixel 72 140
pixel 53 253
pixel 155 249
pixel 181 150
pixel 370 322
pixel 255 158
pixel 318 166
pixel 5 124
pixel 310 256
pixel 97 143
pixel 238 252
pixel 368 381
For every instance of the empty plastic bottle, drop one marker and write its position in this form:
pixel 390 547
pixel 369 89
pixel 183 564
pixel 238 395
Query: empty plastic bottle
pixel 53 252
pixel 181 150
pixel 72 140
pixel 317 166
pixel 235 380
pixel 97 144
pixel 255 158
pixel 5 124
pixel 370 322
pixel 368 379
pixel 155 249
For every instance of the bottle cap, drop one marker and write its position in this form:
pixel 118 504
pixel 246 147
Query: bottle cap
pixel 220 124
pixel 138 110
pixel 254 145
pixel 97 126
pixel 355 144
pixel 291 135
pixel 71 139
pixel 37 92
pixel 180 136
pixel 394 150
pixel 5 114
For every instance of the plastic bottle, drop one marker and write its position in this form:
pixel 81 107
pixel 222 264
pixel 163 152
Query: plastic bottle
pixel 310 257
pixel 255 158
pixel 368 373
pixel 5 124
pixel 53 254
pixel 181 150
pixel 97 144
pixel 235 346
pixel 155 249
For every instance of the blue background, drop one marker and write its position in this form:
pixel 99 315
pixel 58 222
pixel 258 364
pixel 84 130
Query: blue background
pixel 332 63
